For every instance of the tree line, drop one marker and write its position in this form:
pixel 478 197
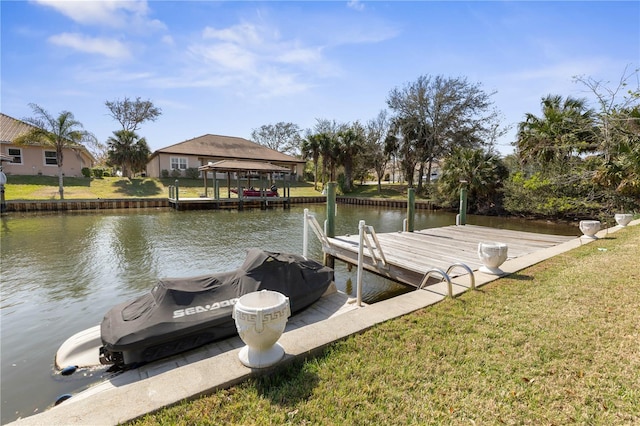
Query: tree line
pixel 573 160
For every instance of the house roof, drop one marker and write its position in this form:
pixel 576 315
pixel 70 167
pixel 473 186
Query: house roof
pixel 10 128
pixel 230 147
pixel 238 165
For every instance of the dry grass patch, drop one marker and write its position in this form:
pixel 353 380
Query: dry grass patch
pixel 555 344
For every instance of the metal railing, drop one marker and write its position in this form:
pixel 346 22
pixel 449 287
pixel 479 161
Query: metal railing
pixel 472 277
pixel 311 221
pixel 380 260
pixel 445 276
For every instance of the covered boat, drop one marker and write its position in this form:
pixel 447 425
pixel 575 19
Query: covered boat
pixel 252 192
pixel 180 314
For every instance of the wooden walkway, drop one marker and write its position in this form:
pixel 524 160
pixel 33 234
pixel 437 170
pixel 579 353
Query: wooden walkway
pixel 410 255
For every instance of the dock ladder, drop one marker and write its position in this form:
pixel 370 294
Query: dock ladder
pixel 445 277
pixel 311 221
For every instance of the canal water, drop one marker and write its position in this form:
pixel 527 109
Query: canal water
pixel 61 273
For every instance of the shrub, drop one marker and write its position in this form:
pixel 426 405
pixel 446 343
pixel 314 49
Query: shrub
pixel 86 172
pixel 106 173
pixel 192 173
pixel 164 173
pixel 175 173
pixel 97 172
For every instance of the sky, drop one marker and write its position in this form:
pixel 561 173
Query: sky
pixel 229 67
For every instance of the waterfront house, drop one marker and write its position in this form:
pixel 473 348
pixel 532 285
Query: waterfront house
pixel 206 149
pixel 37 159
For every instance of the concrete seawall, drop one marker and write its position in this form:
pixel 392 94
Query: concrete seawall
pixel 145 203
pixel 382 202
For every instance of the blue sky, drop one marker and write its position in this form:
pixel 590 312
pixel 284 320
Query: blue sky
pixel 230 67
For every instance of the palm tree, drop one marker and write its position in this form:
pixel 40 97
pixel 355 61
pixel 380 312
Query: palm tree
pixel 565 128
pixel 329 153
pixel 127 150
pixel 60 132
pixel 350 144
pixel 311 149
pixel 483 171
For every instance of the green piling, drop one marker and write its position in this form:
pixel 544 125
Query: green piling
pixel 462 217
pixel 331 209
pixel 411 209
pixel 331 220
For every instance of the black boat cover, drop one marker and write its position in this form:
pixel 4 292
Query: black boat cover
pixel 182 313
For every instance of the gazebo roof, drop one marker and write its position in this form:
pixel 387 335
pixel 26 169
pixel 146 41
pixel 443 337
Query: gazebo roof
pixel 239 165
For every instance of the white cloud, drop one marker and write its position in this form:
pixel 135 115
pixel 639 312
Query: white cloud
pixel 110 13
pixel 228 56
pixel 101 46
pixel 245 34
pixel 168 40
pixel 355 5
pixel 256 58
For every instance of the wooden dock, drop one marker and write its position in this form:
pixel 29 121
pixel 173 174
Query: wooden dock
pixel 409 255
pixel 208 203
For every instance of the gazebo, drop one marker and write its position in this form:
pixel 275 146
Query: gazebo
pixel 249 168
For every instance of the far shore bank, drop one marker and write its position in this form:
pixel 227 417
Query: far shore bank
pixel 141 203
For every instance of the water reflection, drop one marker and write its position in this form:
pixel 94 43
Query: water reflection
pixel 62 272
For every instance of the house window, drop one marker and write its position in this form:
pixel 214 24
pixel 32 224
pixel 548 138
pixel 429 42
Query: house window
pixel 178 163
pixel 50 158
pixel 17 155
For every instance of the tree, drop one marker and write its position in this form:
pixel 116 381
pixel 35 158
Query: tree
pixel 350 144
pixel 128 151
pixel 131 114
pixel 484 173
pixel 402 142
pixel 60 132
pixel 565 129
pixel 310 148
pixel 439 114
pixel 282 137
pixel 98 150
pixel 375 154
pixel 327 133
pixel 615 117
pixel 618 144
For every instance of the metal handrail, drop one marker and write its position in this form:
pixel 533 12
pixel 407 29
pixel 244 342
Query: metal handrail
pixel 363 240
pixel 472 277
pixel 383 260
pixel 442 273
pixel 310 219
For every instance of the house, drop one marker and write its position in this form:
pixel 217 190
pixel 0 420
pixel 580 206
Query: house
pixel 206 149
pixel 35 159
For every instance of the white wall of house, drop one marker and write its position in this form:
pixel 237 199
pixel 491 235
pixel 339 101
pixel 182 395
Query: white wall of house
pixel 38 160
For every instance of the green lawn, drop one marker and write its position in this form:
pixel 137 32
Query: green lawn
pixel 46 188
pixel 555 344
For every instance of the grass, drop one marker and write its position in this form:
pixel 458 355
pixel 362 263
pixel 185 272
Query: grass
pixel 46 188
pixel 556 343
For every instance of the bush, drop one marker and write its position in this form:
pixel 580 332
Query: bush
pixel 98 173
pixel 176 173
pixel 106 173
pixel 192 173
pixel 86 172
pixel 164 173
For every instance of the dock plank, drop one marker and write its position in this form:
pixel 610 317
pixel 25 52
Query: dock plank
pixel 411 254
